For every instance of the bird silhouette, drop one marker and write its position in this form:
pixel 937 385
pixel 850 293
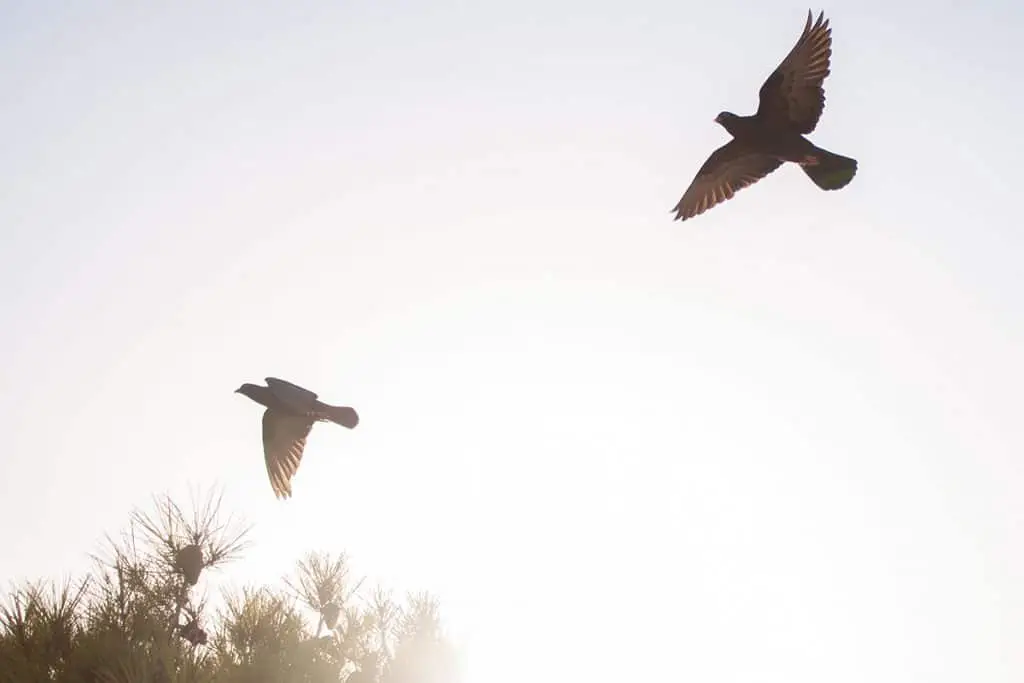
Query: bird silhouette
pixel 790 104
pixel 287 421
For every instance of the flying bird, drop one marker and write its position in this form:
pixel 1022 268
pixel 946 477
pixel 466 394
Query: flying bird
pixel 790 104
pixel 287 421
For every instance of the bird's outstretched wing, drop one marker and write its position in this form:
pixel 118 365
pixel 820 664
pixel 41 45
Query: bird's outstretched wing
pixel 793 95
pixel 284 439
pixel 292 395
pixel 730 168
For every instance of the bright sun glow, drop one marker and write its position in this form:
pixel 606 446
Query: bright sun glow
pixel 779 443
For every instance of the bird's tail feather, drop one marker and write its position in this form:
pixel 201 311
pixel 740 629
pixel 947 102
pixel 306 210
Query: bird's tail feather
pixel 343 415
pixel 832 171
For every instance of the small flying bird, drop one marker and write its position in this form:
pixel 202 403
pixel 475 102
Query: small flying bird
pixel 791 102
pixel 290 414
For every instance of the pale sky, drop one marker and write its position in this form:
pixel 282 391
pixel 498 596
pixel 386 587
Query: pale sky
pixel 781 442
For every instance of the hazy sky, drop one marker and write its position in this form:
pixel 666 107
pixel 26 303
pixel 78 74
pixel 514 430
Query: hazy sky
pixel 781 442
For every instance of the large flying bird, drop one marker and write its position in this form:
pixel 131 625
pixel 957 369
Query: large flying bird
pixel 287 421
pixel 791 102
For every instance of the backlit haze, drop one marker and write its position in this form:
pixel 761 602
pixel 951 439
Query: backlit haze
pixel 779 442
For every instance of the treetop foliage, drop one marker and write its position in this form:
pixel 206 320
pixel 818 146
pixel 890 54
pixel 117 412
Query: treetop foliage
pixel 138 616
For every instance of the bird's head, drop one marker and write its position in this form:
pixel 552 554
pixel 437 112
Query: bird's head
pixel 732 123
pixel 246 389
pixel 261 395
pixel 725 118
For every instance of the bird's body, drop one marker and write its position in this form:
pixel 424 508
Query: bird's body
pixel 791 101
pixel 290 414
